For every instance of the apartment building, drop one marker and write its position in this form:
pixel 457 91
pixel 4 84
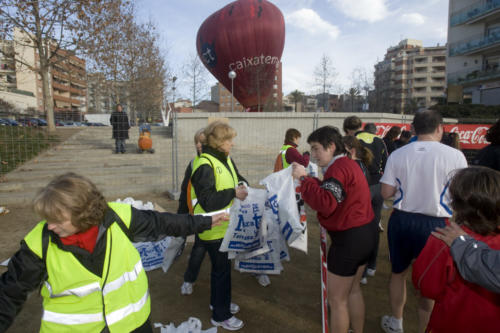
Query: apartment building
pixel 473 64
pixel 67 78
pixel 222 96
pixel 411 76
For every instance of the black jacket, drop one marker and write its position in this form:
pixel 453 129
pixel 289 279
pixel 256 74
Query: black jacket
pixel 376 168
pixel 119 121
pixel 26 271
pixel 203 181
pixel 489 157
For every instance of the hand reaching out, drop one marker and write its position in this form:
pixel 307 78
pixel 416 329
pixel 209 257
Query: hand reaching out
pixel 449 233
pixel 241 192
pixel 298 170
pixel 217 219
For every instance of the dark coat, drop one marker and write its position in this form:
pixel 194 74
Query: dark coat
pixel 119 121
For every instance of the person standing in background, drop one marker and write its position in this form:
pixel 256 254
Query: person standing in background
pixel 119 121
pixel 490 155
pixel 186 207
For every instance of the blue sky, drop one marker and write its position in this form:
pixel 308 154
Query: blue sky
pixel 353 33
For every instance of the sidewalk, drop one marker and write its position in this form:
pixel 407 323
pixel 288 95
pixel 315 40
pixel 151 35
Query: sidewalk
pixel 89 152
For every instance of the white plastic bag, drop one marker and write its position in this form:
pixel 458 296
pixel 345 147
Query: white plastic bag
pixel 281 200
pixel 300 243
pixel 246 231
pixel 192 325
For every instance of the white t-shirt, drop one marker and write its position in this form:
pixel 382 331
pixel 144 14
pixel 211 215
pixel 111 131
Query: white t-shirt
pixel 421 172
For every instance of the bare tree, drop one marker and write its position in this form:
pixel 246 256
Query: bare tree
pixel 362 81
pixel 195 75
pixel 45 27
pixel 324 77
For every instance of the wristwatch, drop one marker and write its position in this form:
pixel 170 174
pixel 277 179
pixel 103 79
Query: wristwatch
pixel 302 178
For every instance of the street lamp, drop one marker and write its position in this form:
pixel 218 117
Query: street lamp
pixel 232 76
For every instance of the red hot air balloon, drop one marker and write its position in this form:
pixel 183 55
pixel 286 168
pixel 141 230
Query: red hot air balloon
pixel 246 36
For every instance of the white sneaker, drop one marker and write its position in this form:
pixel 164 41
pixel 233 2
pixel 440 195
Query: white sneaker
pixel 370 272
pixel 363 280
pixel 186 288
pixel 386 324
pixel 231 324
pixel 263 280
pixel 233 308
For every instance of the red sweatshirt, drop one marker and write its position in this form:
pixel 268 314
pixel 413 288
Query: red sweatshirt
pixel 293 155
pixel 355 208
pixel 460 306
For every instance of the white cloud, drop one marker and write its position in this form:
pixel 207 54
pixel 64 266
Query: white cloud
pixel 413 18
pixel 363 10
pixel 310 21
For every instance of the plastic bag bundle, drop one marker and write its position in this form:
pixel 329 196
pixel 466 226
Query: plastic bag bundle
pixel 192 325
pixel 263 225
pixel 155 254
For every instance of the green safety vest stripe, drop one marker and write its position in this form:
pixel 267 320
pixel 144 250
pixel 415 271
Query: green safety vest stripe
pixel 366 137
pixel 78 305
pixel 283 155
pixel 224 179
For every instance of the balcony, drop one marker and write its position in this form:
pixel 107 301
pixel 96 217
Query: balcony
pixel 474 12
pixel 474 77
pixel 477 44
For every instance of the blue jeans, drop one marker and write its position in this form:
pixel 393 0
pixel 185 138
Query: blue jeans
pixel 119 145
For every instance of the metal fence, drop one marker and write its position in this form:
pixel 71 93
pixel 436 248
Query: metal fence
pixel 259 138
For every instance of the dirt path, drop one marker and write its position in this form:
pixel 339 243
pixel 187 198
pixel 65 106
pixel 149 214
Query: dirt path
pixel 290 304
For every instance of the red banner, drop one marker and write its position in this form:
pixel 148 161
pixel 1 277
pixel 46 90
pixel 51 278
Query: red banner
pixel 472 136
pixel 324 280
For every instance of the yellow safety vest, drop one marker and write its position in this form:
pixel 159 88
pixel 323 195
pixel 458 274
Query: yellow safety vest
pixel 224 178
pixel 283 155
pixel 77 300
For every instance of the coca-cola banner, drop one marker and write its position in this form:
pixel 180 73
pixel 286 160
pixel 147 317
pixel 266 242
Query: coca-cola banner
pixel 471 136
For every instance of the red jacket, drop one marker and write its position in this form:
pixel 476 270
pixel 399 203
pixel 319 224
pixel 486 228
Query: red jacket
pixel 460 306
pixel 354 210
pixel 293 155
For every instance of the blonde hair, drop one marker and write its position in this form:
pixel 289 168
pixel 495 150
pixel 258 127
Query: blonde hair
pixel 217 132
pixel 71 194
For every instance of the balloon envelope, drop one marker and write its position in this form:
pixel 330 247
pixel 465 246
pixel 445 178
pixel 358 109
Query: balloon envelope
pixel 247 37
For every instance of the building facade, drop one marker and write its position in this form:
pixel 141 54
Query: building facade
pixel 473 66
pixel 67 78
pixel 411 76
pixel 222 96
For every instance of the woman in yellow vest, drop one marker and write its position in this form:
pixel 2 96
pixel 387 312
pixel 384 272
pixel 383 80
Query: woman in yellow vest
pixel 82 256
pixel 215 183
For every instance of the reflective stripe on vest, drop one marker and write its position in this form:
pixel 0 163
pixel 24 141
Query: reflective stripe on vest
pixel 76 300
pixel 283 155
pixel 224 179
pixel 71 319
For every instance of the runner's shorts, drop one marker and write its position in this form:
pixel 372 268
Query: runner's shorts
pixel 351 248
pixel 407 234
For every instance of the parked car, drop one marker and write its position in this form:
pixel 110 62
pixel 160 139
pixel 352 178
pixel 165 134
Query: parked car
pixel 8 122
pixel 37 122
pixel 60 123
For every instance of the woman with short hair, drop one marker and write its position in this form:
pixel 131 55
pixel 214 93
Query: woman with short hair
pixel 215 184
